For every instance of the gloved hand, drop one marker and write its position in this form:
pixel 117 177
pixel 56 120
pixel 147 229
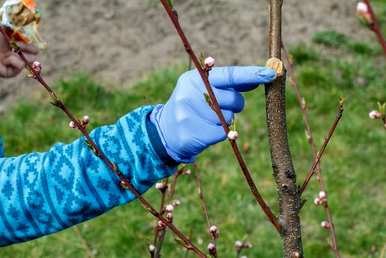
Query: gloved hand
pixel 187 125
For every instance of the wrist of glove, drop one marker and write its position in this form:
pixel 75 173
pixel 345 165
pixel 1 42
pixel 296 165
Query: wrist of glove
pixel 187 125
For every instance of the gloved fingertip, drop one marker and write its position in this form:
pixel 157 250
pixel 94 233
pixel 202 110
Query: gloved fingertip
pixel 267 74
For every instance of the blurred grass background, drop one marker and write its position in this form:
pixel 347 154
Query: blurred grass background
pixel 331 66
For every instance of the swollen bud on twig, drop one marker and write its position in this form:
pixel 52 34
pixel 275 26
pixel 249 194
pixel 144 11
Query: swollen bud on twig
pixel 296 255
pixel 85 120
pixel 364 13
pixel 325 224
pixel 375 114
pixel 36 67
pixel 209 62
pixel 169 216
pixel 151 249
pixel 161 186
pixel 233 135
pixel 322 195
pixel 213 230
pixel 72 124
pixel 169 208
pixel 212 249
pixel 161 225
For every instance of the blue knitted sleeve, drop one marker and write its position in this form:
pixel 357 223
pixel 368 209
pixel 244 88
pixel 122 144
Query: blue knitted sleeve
pixel 42 193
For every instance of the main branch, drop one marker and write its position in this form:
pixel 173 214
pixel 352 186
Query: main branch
pixel 283 170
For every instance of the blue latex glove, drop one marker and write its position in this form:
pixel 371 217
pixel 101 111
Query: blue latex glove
pixel 186 123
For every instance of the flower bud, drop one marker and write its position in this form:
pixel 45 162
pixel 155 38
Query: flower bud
pixel 86 119
pixel 238 244
pixel 233 135
pixel 169 216
pixel 169 208
pixel 187 172
pixel 161 186
pixel 317 201
pixel 151 248
pixel 364 13
pixel 161 224
pixel 212 249
pixel 209 62
pixel 36 67
pixel 296 255
pixel 325 224
pixel 375 115
pixel 176 203
pixel 322 195
pixel 213 230
pixel 72 125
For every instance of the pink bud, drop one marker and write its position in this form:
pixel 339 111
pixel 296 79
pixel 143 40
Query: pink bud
pixel 36 67
pixel 169 216
pixel 212 249
pixel 233 135
pixel 161 224
pixel 213 230
pixel 161 186
pixel 169 208
pixel 322 195
pixel 151 248
pixel 317 201
pixel 86 119
pixel 375 114
pixel 72 125
pixel 362 7
pixel 209 62
pixel 238 244
pixel 176 203
pixel 325 224
pixel 296 255
pixel 187 172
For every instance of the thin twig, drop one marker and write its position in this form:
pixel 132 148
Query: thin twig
pixel 375 27
pixel 125 183
pixel 310 139
pixel 318 157
pixel 204 207
pixel 204 76
pixel 85 244
pixel 167 196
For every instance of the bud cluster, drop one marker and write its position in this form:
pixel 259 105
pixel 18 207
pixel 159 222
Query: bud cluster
pixel 321 199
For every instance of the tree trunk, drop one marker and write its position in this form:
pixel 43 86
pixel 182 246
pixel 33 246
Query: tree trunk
pixel 283 170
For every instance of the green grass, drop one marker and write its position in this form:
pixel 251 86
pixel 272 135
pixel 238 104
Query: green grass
pixel 354 163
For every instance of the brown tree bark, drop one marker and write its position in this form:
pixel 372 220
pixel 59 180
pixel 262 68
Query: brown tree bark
pixel 283 170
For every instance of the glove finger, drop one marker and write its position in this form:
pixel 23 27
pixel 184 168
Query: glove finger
pixel 206 133
pixel 209 115
pixel 240 78
pixel 229 99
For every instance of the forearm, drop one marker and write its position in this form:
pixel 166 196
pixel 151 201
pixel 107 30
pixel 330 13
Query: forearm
pixel 42 193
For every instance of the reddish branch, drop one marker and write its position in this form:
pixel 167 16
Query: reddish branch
pixel 212 229
pixel 303 105
pixel 214 103
pixel 375 27
pixel 125 183
pixel 318 157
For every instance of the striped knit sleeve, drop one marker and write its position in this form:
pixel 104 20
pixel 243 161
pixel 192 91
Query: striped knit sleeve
pixel 42 193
